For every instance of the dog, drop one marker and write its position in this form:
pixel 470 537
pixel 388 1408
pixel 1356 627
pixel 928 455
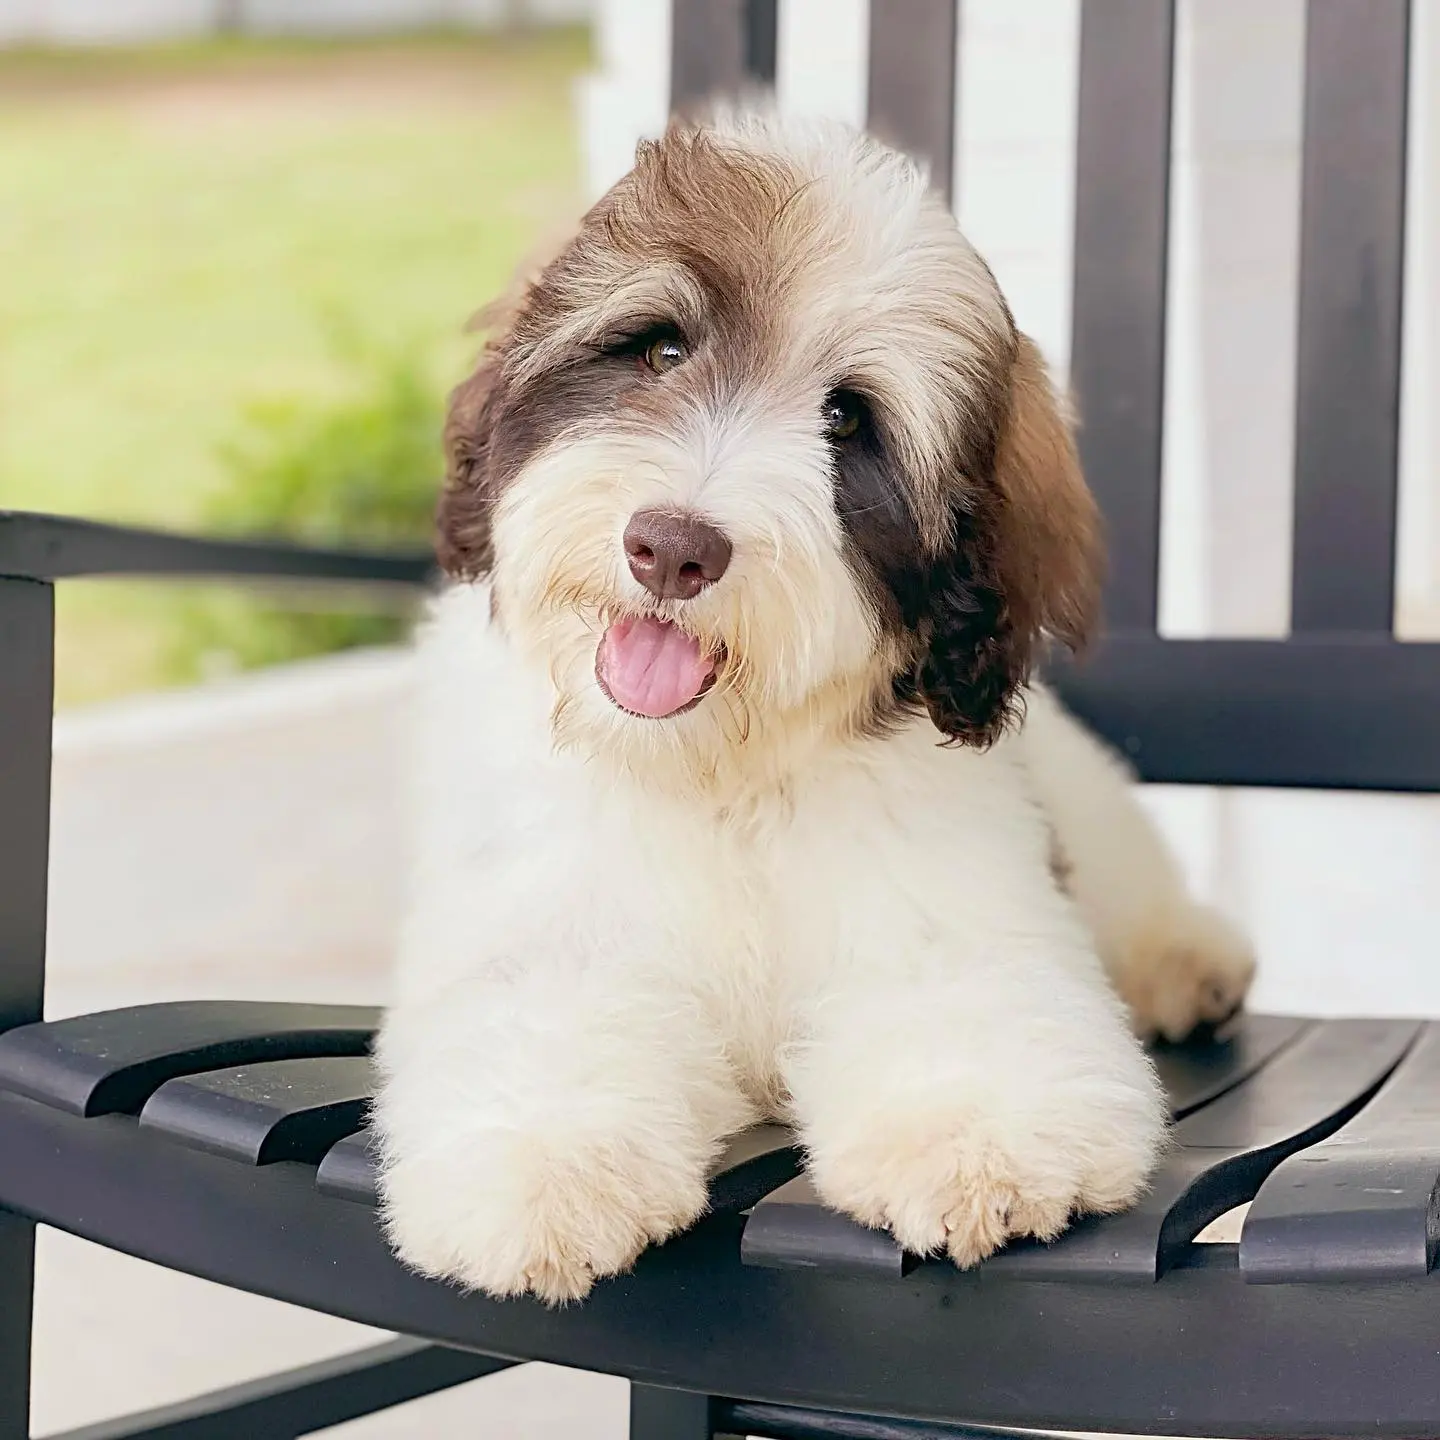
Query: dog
pixel 735 796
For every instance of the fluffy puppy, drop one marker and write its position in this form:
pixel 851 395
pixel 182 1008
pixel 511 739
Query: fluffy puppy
pixel 760 510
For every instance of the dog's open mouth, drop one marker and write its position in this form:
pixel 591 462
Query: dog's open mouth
pixel 649 667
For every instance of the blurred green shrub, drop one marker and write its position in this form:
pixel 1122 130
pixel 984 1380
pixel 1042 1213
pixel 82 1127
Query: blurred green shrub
pixel 361 468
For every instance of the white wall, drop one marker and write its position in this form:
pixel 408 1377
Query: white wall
pixel 1339 890
pixel 93 22
pixel 1233 292
pixel 1419 547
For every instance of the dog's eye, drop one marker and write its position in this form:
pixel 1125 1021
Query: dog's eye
pixel 842 414
pixel 665 353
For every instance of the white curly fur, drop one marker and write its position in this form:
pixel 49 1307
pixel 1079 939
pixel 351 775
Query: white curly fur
pixel 628 938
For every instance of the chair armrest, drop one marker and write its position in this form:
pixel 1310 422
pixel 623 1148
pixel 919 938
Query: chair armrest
pixel 55 547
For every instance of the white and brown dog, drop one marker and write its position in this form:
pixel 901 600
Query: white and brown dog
pixel 757 500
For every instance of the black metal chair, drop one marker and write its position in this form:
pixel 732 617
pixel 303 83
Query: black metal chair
pixel 227 1140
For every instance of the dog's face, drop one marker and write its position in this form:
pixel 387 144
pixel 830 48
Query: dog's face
pixel 762 450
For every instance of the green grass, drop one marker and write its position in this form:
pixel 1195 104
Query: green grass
pixel 183 230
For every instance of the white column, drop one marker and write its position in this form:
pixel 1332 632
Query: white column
pixel 627 98
pixel 1418 587
pixel 1015 155
pixel 823 57
pixel 1234 268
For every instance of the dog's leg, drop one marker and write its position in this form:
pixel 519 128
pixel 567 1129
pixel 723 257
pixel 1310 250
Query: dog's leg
pixel 538 1134
pixel 971 1086
pixel 1177 963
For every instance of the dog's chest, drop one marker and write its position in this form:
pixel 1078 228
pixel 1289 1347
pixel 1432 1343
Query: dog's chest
pixel 773 901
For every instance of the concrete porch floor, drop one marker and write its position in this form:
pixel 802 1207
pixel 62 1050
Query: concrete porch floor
pixel 115 1335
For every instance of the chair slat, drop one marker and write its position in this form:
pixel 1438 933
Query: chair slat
pixel 912 81
pixel 1362 1204
pixel 347 1171
pixel 793 1229
pixel 1198 1071
pixel 1241 1106
pixel 258 1114
pixel 708 51
pixel 27 665
pixel 754 1163
pixel 1328 712
pixel 1117 357
pixel 1225 1150
pixel 790 1422
pixel 114 1060
pixel 1351 260
pixel 762 40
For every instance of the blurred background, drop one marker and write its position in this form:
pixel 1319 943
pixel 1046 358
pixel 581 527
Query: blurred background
pixel 239 244
pixel 242 240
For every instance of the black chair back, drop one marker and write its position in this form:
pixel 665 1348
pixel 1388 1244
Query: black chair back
pixel 1339 703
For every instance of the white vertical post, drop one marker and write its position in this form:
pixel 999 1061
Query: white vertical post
pixel 628 97
pixel 1235 227
pixel 1418 561
pixel 1015 156
pixel 823 53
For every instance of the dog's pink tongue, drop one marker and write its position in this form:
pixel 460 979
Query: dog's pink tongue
pixel 652 668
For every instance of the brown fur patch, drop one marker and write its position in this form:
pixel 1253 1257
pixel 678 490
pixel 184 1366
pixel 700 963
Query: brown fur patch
pixel 1027 563
pixel 467 498
pixel 693 214
pixel 1050 550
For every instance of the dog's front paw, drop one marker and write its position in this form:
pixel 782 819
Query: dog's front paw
pixel 964 1183
pixel 1192 970
pixel 508 1214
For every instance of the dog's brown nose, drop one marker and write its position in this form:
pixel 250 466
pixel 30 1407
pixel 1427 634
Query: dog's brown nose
pixel 675 555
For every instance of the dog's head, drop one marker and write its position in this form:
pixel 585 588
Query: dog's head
pixel 761 452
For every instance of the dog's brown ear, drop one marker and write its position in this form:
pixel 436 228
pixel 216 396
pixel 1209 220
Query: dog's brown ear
pixel 1052 555
pixel 462 517
pixel 1026 562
